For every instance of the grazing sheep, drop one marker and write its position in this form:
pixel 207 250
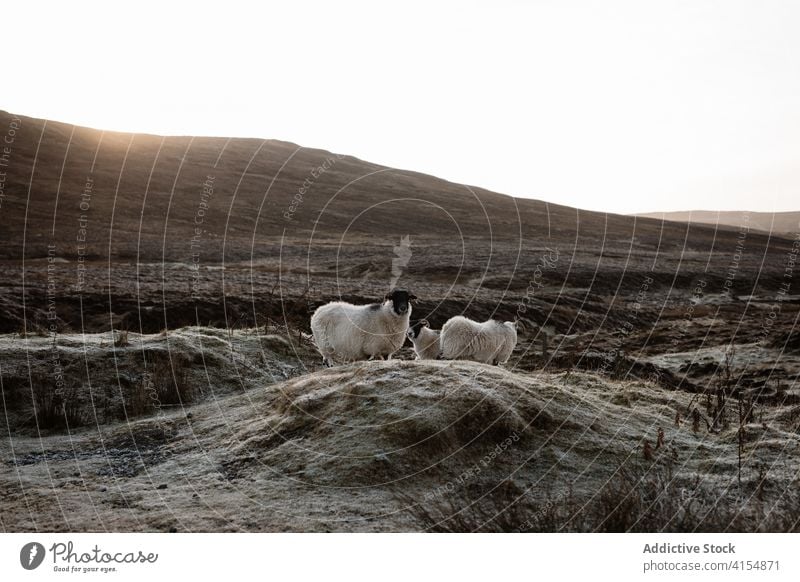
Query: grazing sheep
pixel 344 332
pixel 490 342
pixel 425 340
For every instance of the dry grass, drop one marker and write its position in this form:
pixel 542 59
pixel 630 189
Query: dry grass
pixel 165 382
pixel 169 376
pixel 121 340
pixel 425 435
pixel 121 375
pixel 635 499
pixel 56 406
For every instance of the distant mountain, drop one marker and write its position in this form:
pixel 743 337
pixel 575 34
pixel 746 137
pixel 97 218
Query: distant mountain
pixel 779 223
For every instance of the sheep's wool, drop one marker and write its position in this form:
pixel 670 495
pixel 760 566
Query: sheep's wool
pixel 490 342
pixel 344 332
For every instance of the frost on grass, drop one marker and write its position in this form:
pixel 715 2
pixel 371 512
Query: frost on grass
pixel 403 446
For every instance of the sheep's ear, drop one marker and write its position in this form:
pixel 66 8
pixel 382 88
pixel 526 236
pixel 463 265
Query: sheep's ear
pixel 412 297
pixel 387 297
pixel 425 323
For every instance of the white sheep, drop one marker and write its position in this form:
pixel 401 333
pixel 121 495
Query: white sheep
pixel 344 332
pixel 490 342
pixel 425 340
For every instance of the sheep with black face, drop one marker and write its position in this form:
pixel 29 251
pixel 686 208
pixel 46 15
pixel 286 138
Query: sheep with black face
pixel 425 340
pixel 344 332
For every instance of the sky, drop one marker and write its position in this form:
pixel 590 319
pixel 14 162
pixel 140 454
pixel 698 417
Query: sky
pixel 619 106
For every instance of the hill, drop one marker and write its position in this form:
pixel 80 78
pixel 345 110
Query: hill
pixel 401 446
pixel 147 232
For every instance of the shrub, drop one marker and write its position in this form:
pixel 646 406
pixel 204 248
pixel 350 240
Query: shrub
pixel 56 405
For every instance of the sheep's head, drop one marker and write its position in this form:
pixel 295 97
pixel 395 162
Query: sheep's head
pixel 400 298
pixel 415 328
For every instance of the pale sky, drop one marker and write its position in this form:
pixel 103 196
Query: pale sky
pixel 622 106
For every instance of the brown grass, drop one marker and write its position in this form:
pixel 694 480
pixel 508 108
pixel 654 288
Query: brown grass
pixel 121 341
pixel 165 382
pixel 54 407
pixel 635 499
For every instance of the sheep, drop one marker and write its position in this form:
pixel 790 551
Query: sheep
pixel 509 343
pixel 344 332
pixel 490 342
pixel 425 340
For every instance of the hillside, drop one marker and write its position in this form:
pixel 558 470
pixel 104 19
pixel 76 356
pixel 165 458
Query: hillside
pixel 146 192
pixel 142 196
pixel 147 232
